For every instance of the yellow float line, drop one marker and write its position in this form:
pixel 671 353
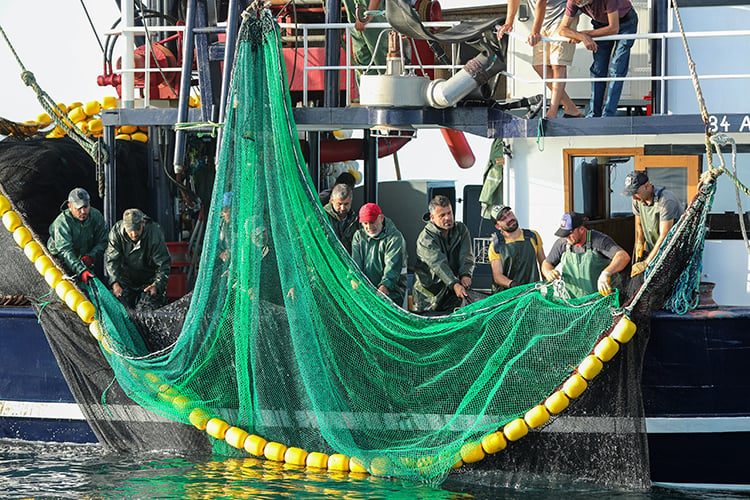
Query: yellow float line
pixel 255 445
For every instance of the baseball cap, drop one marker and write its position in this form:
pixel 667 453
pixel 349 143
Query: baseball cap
pixel 79 197
pixel 226 200
pixel 633 181
pixel 132 219
pixel 568 223
pixel 498 210
pixel 369 212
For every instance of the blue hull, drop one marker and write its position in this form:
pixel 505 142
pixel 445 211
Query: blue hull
pixel 35 401
pixel 696 395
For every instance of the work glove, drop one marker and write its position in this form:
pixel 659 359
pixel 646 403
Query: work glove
pixel 86 275
pixel 638 268
pixel 552 275
pixel 640 248
pixel 88 260
pixel 603 284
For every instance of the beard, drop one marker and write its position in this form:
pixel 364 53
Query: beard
pixel 511 226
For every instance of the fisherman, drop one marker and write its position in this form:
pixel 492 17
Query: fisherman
pixel 379 249
pixel 78 236
pixel 656 210
pixel 343 219
pixel 590 260
pixel 343 178
pixel 608 17
pixel 445 261
pixel 515 254
pixel 138 261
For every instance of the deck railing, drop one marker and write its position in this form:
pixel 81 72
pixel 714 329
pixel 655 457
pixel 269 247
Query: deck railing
pixel 304 32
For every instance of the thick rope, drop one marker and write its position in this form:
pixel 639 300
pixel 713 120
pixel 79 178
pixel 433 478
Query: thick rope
pixel 95 149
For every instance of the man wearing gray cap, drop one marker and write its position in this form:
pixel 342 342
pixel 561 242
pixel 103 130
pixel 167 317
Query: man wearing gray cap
pixel 78 236
pixel 656 210
pixel 515 254
pixel 138 261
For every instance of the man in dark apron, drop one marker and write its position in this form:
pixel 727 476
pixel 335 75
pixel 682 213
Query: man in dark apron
pixel 589 260
pixel 656 209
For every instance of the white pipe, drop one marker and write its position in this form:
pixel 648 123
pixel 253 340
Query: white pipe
pixel 128 59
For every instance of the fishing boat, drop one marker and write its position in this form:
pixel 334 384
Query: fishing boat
pixel 685 429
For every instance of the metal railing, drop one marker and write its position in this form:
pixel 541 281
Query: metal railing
pixel 416 67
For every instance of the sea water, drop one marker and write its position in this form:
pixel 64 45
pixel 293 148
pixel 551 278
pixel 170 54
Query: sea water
pixel 43 470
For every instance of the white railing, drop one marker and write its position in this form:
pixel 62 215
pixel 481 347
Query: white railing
pixel 661 77
pixel 349 67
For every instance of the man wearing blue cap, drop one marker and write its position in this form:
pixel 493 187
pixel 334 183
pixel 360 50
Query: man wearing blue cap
pixel 656 209
pixel 589 259
pixel 515 254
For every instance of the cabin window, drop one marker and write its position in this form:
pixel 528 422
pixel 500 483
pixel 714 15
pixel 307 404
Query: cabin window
pixel 594 180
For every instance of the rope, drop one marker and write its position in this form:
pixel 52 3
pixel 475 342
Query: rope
pixel 199 125
pixel 95 149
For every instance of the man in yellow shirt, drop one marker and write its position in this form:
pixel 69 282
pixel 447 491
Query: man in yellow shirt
pixel 515 254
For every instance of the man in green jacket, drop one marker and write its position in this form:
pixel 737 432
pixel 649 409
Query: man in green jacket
pixel 445 261
pixel 379 250
pixel 341 216
pixel 78 236
pixel 138 261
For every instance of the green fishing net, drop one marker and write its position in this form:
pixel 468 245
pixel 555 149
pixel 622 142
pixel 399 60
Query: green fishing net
pixel 285 338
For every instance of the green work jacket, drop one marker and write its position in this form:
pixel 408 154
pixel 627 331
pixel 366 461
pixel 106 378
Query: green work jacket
pixel 138 264
pixel 383 259
pixel 442 260
pixel 343 227
pixel 70 239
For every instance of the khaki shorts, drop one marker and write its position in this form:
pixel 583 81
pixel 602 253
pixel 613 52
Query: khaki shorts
pixel 558 53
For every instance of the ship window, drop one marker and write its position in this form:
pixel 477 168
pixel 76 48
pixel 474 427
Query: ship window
pixel 595 178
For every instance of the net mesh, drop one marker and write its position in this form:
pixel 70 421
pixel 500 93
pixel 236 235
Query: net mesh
pixel 284 337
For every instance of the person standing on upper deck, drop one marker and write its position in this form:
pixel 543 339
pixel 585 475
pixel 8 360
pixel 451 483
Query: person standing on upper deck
pixel 548 15
pixel 445 261
pixel 608 17
pixel 656 209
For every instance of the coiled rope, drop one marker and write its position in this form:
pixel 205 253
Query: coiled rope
pixel 95 148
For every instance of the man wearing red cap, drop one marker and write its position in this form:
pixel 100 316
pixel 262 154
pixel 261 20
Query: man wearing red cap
pixel 445 261
pixel 379 249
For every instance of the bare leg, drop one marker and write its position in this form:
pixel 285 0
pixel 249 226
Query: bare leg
pixel 559 96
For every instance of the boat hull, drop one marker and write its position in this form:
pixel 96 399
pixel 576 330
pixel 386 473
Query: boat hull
pixel 695 393
pixel 35 401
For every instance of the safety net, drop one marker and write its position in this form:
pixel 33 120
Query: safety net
pixel 285 338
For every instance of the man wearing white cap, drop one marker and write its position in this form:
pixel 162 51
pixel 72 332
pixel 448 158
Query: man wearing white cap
pixel 78 236
pixel 379 249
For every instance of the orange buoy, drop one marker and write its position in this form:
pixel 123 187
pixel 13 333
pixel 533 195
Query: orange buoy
pixel 459 147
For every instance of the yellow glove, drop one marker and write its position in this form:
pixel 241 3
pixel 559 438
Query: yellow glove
pixel 551 275
pixel 638 268
pixel 603 284
pixel 640 248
